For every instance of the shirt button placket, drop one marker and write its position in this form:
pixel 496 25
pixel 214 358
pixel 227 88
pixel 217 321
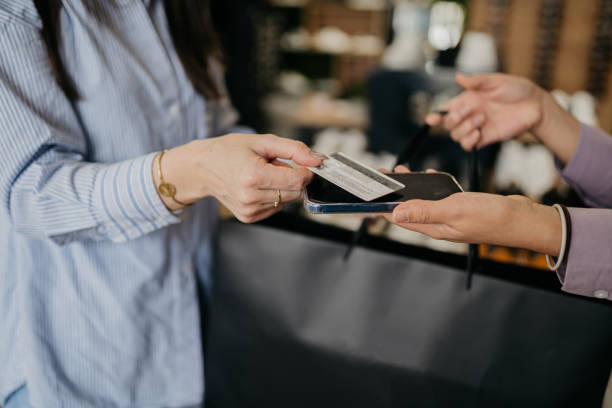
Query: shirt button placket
pixel 174 109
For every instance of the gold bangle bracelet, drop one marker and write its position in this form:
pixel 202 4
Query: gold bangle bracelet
pixel 167 190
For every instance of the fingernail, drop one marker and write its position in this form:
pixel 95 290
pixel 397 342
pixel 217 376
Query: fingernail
pixel 318 155
pixel 399 216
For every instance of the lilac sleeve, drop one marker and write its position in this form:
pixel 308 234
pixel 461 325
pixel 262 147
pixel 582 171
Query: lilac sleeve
pixel 587 270
pixel 589 171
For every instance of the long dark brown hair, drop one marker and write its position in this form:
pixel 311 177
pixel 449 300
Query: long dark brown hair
pixel 192 34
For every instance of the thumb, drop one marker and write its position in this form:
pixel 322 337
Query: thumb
pixel 272 147
pixel 474 82
pixel 419 212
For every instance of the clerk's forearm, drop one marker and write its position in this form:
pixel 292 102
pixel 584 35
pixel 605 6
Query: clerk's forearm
pixel 558 129
pixel 528 225
pixel 535 227
pixel 543 231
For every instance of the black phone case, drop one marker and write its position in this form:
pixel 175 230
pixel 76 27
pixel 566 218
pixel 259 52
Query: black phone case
pixel 323 197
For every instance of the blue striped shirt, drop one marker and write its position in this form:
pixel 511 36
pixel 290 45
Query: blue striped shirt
pixel 98 303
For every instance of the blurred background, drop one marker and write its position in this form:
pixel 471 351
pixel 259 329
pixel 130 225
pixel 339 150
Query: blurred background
pixel 358 76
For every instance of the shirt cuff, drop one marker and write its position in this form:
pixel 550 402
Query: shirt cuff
pixel 128 202
pixel 587 271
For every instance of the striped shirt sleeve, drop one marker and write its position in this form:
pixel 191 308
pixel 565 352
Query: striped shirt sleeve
pixel 46 188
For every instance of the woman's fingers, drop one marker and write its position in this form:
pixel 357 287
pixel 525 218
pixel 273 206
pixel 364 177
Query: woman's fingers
pixel 270 147
pixel 259 215
pixel 277 162
pixel 286 178
pixel 255 199
pixel 252 176
pixel 269 197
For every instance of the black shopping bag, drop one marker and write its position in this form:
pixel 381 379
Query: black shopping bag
pixel 292 325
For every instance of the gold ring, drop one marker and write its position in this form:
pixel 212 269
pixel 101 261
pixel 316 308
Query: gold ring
pixel 278 200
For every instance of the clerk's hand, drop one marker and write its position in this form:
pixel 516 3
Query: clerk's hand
pixel 492 108
pixel 497 107
pixel 480 218
pixel 241 171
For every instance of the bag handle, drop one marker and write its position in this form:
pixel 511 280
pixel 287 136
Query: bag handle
pixel 405 155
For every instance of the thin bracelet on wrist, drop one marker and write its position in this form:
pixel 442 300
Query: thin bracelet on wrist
pixel 566 228
pixel 167 190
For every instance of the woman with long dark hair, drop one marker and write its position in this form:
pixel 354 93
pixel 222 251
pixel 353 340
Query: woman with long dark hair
pixel 103 230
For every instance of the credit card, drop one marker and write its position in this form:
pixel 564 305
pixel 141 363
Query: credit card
pixel 356 178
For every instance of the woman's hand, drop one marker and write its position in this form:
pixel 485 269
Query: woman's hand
pixel 240 171
pixel 479 218
pixel 498 107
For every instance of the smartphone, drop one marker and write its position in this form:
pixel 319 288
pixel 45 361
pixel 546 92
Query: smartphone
pixel 323 197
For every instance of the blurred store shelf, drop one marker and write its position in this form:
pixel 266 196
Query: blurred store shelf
pixel 288 113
